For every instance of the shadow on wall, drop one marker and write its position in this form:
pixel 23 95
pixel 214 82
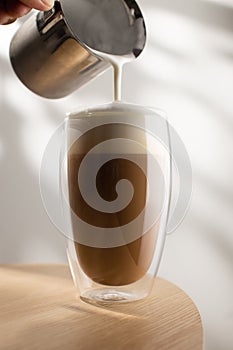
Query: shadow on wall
pixel 219 16
pixel 20 206
pixel 216 14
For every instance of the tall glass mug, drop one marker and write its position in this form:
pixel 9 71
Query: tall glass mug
pixel 115 168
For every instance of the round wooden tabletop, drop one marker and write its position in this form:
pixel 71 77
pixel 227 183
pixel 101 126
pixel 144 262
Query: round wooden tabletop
pixel 40 310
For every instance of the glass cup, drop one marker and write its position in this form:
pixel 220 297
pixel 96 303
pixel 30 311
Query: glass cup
pixel 115 180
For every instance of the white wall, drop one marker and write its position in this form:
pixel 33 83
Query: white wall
pixel 187 70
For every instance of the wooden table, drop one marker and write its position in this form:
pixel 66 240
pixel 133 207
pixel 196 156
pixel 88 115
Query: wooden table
pixel 40 310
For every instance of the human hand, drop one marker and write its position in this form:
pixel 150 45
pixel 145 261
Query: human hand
pixel 10 10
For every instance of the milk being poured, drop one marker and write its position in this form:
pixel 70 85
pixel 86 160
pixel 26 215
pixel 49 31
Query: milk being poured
pixel 117 63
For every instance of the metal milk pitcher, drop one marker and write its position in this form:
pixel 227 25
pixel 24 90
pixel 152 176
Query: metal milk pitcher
pixel 54 52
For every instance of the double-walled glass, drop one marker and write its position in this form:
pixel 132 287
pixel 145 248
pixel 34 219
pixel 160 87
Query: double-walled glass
pixel 115 170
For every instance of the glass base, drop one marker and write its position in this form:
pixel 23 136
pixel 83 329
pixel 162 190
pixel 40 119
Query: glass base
pixel 109 296
pixel 95 293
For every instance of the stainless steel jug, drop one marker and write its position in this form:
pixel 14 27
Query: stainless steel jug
pixel 54 52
